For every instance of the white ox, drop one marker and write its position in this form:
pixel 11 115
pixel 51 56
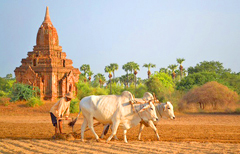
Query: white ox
pixel 115 110
pixel 163 110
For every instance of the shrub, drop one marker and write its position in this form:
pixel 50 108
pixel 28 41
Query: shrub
pixel 141 89
pixel 34 101
pixel 74 105
pixel 116 89
pixel 23 92
pixel 85 89
pixel 3 93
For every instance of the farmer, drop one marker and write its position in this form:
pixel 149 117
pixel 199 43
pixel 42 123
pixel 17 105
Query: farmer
pixel 59 109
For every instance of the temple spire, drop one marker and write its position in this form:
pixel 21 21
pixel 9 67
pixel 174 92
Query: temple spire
pixel 47 17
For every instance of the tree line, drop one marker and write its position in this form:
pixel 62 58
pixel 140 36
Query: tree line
pixel 174 83
pixel 131 69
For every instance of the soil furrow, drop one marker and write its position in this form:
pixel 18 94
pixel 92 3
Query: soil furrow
pixel 17 148
pixel 93 146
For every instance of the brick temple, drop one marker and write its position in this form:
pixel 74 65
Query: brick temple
pixel 46 66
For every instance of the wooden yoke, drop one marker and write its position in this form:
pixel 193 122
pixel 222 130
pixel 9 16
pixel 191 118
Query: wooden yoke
pixel 131 102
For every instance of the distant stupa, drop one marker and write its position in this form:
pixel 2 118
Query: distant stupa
pixel 46 66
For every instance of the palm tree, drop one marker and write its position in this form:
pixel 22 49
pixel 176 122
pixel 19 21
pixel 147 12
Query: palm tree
pixel 109 71
pixel 150 65
pixel 173 68
pixel 101 79
pixel 180 61
pixel 123 80
pixel 164 70
pixel 114 67
pixel 135 67
pixel 126 68
pixel 89 73
pixel 85 68
pixel 131 66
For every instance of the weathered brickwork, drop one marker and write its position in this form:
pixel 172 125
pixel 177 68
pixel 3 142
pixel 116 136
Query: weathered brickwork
pixel 46 66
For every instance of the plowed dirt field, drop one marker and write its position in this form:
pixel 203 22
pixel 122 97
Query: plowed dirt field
pixel 29 130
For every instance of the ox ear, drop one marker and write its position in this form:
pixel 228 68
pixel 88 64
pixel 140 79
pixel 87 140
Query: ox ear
pixel 149 101
pixel 165 107
pixel 144 108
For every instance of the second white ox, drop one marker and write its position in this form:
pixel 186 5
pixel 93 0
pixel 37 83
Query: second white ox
pixel 115 110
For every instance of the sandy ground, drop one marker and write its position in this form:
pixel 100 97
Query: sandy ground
pixel 29 130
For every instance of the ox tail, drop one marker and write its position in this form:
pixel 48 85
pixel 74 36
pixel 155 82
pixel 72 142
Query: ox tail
pixel 106 130
pixel 72 123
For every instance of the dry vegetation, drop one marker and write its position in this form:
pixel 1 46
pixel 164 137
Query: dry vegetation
pixel 211 96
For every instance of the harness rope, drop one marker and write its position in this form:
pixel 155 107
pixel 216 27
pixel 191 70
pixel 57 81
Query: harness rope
pixel 158 111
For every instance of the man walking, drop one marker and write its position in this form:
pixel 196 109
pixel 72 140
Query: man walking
pixel 58 109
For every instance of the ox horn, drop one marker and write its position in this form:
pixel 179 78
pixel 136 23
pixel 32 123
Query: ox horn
pixel 149 101
pixel 154 97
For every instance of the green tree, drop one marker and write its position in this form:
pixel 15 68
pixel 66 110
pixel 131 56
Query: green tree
pixel 6 86
pixel 161 84
pixel 208 66
pixel 231 80
pixel 149 65
pixel 197 79
pixel 9 76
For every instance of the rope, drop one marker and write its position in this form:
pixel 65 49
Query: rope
pixel 158 111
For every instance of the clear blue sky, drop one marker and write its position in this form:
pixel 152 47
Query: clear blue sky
pixel 101 32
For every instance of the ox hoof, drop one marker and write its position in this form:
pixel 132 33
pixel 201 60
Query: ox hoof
pixel 82 140
pixel 98 140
